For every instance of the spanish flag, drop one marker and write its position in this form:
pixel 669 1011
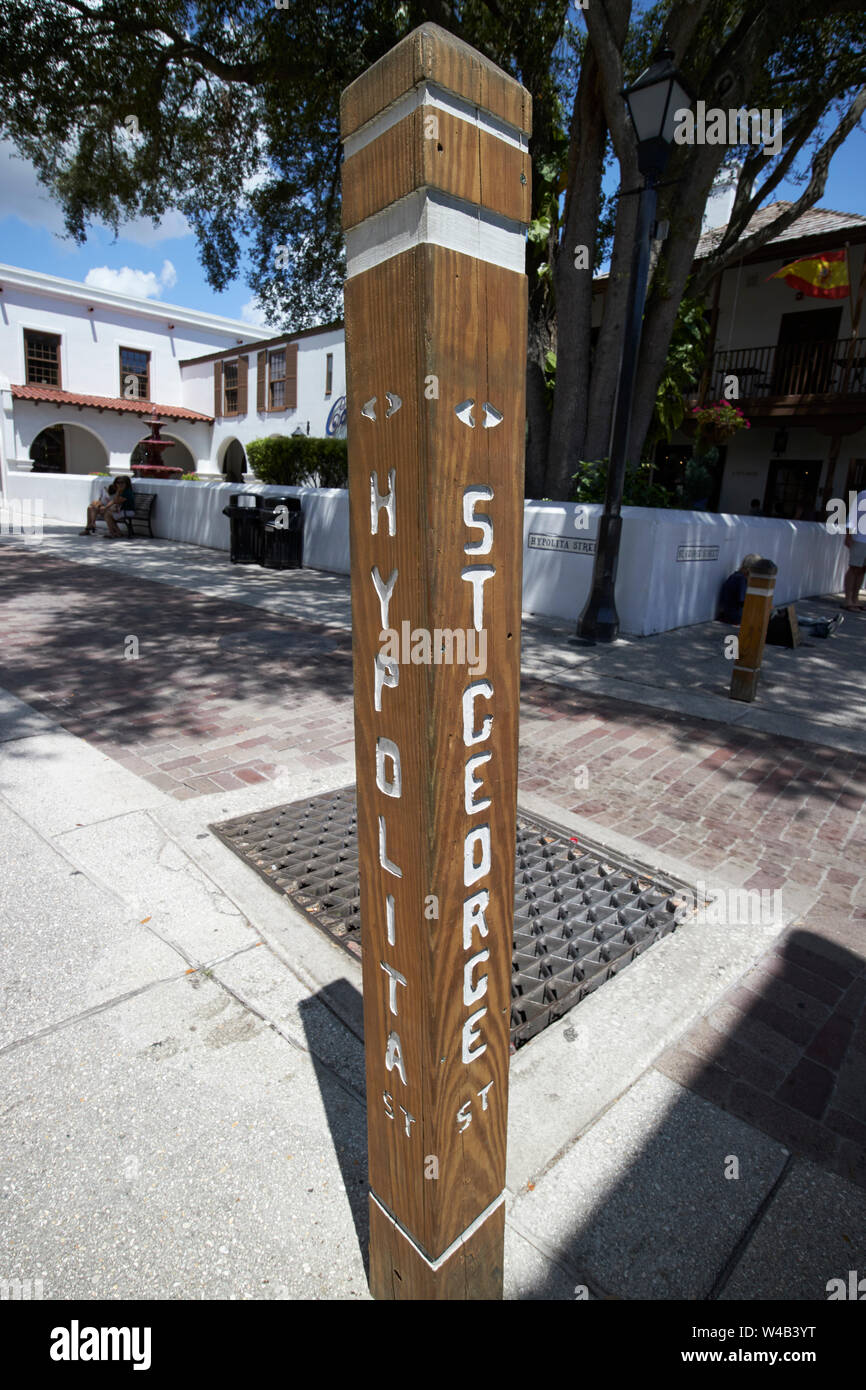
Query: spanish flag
pixel 822 277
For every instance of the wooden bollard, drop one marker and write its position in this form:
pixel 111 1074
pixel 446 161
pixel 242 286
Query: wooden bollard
pixel 757 607
pixel 435 206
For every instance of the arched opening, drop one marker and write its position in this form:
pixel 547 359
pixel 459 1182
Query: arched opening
pixel 180 456
pixel 68 449
pixel 234 461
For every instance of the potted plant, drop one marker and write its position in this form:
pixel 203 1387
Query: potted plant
pixel 717 422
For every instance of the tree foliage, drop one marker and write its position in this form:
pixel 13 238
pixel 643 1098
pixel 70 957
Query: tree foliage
pixel 681 371
pixel 780 54
pixel 230 113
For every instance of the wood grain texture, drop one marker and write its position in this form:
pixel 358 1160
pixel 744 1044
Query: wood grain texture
pixel 465 161
pixel 757 608
pixel 434 313
pixel 427 331
pixel 432 54
pixel 472 1273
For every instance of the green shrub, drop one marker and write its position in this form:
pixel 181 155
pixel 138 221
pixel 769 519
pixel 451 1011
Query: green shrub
pixel 590 485
pixel 300 461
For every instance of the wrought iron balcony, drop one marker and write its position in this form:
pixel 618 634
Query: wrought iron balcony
pixel 836 368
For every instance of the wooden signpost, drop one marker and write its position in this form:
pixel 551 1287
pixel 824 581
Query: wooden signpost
pixel 435 205
pixel 757 607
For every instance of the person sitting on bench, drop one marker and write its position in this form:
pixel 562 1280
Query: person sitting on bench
pixel 733 592
pixel 122 504
pixel 97 508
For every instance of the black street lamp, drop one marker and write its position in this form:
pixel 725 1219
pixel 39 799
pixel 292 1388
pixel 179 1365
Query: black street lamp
pixel 653 101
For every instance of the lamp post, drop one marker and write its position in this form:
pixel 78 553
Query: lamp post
pixel 653 102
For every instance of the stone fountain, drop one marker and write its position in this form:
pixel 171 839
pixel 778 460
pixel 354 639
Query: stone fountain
pixel 153 446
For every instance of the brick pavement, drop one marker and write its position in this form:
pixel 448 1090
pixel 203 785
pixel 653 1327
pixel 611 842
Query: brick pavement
pixel 220 695
pixel 223 695
pixel 786 1049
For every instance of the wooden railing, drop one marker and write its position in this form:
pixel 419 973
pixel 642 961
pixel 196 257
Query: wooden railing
pixel 818 368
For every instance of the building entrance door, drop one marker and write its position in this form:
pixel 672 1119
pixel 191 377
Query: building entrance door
pixel 806 352
pixel 792 488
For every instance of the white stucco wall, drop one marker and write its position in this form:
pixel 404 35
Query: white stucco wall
pixel 313 407
pixel 92 436
pixel 90 343
pixel 751 305
pixel 662 582
pixel 750 455
pixel 656 590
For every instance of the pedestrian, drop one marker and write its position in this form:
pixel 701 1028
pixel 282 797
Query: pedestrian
pixel 732 595
pixel 855 543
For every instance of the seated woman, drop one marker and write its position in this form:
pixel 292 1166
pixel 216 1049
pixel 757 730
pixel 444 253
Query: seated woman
pixel 97 508
pixel 733 592
pixel 122 504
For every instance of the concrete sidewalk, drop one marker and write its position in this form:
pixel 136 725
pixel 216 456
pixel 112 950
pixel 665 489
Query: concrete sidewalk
pixel 182 1079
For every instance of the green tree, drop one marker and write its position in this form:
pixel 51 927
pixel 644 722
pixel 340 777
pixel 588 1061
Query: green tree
pixel 782 54
pixel 681 371
pixel 230 112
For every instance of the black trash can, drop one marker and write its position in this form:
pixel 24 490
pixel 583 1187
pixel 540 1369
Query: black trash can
pixel 246 521
pixel 283 532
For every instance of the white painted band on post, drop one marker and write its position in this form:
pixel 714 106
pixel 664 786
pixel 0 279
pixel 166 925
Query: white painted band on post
pixel 760 593
pixel 428 94
pixel 427 216
pixel 455 1244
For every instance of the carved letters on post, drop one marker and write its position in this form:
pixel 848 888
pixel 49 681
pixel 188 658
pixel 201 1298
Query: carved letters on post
pixel 477 730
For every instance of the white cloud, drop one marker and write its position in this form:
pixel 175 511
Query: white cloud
pixel 142 231
pixel 26 198
pixel 141 284
pixel 253 314
pixel 24 195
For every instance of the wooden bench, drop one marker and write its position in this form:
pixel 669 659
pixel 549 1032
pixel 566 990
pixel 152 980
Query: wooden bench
pixel 144 504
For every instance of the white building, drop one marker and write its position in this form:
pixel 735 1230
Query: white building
pixel 797 364
pixel 80 368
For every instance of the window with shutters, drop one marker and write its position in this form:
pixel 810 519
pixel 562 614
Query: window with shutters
pixel 134 374
pixel 230 388
pixel 277 379
pixel 329 373
pixel 42 359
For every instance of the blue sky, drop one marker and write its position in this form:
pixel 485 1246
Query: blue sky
pixel 163 263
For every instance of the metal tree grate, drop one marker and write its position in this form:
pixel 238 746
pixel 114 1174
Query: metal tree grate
pixel 581 912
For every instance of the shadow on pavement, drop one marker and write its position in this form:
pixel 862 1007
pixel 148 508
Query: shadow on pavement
pixel 759 1194
pixel 67 649
pixel 347 1120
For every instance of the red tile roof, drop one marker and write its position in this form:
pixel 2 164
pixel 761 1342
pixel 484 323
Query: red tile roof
pixel 54 395
pixel 815 222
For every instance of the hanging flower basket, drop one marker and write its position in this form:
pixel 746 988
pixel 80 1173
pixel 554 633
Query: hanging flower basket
pixel 716 423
